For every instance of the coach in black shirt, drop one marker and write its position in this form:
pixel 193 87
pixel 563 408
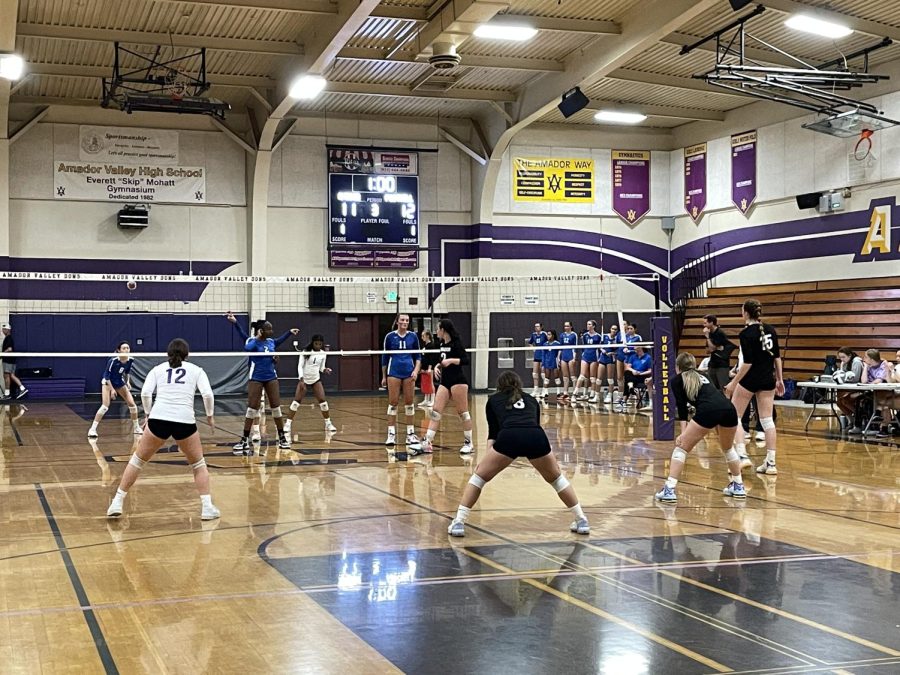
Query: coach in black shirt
pixel 9 363
pixel 719 348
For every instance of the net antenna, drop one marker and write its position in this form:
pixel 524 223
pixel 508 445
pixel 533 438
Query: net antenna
pixel 808 86
pixel 153 84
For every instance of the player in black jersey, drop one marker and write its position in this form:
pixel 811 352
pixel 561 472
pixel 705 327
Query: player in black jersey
pixel 514 430
pixel 714 411
pixel 452 383
pixel 760 374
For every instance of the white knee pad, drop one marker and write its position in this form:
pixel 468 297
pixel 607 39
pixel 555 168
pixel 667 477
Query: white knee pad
pixel 392 410
pixel 410 410
pixel 766 423
pixel 251 414
pixel 295 406
pixel 132 409
pixel 136 462
pixel 591 380
pixel 466 416
pixel 103 410
pixel 199 464
pixel 560 483
pixel 558 382
pixel 679 455
pixel 477 481
pixel 435 415
pixel 731 455
pixel 323 406
pixel 275 412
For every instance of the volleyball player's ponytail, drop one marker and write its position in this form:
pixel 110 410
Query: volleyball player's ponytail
pixel 510 384
pixel 687 365
pixel 178 351
pixel 255 326
pixel 753 308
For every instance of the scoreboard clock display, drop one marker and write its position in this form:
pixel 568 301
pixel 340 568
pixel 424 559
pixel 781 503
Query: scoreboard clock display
pixel 373 209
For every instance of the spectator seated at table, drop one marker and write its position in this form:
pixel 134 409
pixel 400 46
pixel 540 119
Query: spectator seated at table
pixel 849 372
pixel 638 368
pixel 877 371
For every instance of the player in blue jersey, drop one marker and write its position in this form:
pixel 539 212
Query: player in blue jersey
pixel 588 378
pixel 608 360
pixel 398 374
pixel 550 360
pixel 116 379
pixel 568 338
pixel 538 338
pixel 623 354
pixel 262 378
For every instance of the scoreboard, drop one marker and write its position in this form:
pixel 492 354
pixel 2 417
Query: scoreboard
pixel 373 209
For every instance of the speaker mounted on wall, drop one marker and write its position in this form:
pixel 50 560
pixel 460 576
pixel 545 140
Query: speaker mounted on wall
pixel 572 101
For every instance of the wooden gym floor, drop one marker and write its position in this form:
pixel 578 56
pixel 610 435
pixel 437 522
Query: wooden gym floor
pixel 334 558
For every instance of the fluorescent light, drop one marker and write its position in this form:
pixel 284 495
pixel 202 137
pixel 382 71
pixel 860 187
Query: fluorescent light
pixel 502 32
pixel 619 117
pixel 815 26
pixel 11 66
pixel 307 87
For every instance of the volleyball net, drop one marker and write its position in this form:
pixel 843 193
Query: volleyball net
pixel 68 324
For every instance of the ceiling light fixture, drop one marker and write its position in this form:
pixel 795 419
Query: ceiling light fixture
pixel 307 87
pixel 501 32
pixel 619 117
pixel 809 24
pixel 11 66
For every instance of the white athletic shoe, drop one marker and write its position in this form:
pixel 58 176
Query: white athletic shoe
pixel 457 528
pixel 467 448
pixel 760 436
pixel 92 432
pixel 608 399
pixel 284 443
pixel 115 509
pixel 209 512
pixel 242 447
pixel 580 526
pixel 746 463
pixel 329 427
pixel 426 447
pixel 413 442
pixel 391 438
pixel 138 430
pixel 767 468
pixel 287 427
pixel 255 436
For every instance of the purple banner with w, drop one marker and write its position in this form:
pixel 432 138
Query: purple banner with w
pixel 695 181
pixel 743 170
pixel 631 184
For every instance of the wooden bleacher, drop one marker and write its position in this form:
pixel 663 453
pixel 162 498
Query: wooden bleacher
pixel 813 319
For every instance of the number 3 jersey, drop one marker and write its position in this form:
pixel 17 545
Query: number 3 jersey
pixel 175 389
pixel 759 347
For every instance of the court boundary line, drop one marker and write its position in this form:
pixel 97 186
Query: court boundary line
pixel 103 651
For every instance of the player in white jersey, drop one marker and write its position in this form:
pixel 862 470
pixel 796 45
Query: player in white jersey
pixel 310 369
pixel 172 415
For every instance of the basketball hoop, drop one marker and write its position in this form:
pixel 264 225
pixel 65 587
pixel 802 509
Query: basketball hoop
pixel 175 85
pixel 863 145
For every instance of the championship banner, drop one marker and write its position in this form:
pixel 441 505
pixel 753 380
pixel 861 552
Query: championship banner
pixel 366 160
pixel 695 181
pixel 129 183
pixel 631 184
pixel 743 170
pixel 664 411
pixel 127 145
pixel 553 180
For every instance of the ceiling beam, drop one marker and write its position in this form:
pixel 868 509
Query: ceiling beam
pixel 322 7
pixel 96 72
pixel 8 10
pixel 673 112
pixel 856 23
pixel 500 62
pixel 144 38
pixel 668 81
pixel 401 90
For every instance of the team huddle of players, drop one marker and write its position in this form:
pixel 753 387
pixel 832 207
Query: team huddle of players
pixel 611 366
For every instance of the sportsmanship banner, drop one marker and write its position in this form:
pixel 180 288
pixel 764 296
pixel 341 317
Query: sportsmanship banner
pixel 127 145
pixel 743 170
pixel 365 160
pixel 553 180
pixel 377 258
pixel 631 184
pixel 695 180
pixel 129 183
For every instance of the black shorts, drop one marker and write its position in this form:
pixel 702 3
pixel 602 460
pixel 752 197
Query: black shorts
pixel 449 380
pixel 528 442
pixel 164 429
pixel 758 384
pixel 717 417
